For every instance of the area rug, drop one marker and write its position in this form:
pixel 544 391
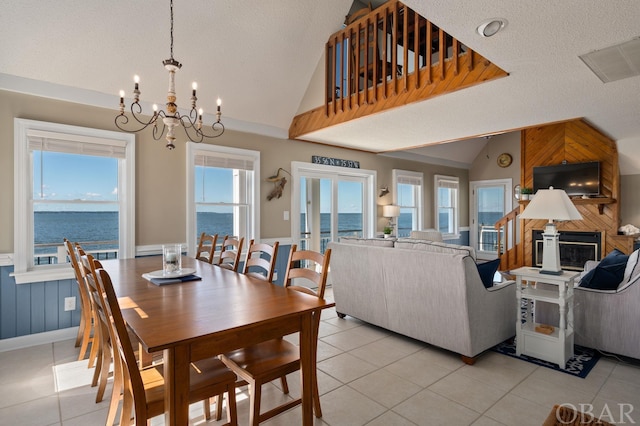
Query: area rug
pixel 579 365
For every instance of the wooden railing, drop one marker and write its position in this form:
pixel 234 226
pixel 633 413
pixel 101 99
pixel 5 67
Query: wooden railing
pixel 512 254
pixel 386 46
pixel 388 58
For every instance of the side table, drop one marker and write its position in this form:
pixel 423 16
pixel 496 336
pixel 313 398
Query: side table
pixel 556 347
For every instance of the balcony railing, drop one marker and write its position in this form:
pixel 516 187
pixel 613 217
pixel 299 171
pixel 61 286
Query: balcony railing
pixel 53 253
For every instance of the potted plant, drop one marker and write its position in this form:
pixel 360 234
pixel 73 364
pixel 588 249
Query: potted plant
pixel 525 193
pixel 387 231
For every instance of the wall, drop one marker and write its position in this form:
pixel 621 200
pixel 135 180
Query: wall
pixel 160 197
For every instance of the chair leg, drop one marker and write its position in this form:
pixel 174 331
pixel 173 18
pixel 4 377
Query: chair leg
pixel 285 385
pixel 316 398
pixel 207 408
pixel 104 369
pixel 80 331
pixel 86 337
pixel 232 411
pixel 255 394
pixel 218 399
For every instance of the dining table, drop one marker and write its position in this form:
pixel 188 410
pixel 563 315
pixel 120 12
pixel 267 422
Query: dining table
pixel 222 311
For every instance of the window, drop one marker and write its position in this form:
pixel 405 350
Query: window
pixel 408 196
pixel 223 188
pixel 70 182
pixel 447 214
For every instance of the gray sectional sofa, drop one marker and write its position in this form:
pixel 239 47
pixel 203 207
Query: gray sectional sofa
pixel 426 290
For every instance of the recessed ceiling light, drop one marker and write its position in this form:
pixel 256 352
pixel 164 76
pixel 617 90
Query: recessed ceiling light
pixel 491 27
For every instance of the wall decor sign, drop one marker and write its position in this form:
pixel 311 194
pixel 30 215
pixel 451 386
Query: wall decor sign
pixel 328 161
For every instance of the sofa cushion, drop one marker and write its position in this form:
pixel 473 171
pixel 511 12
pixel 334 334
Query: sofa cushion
pixel 632 270
pixel 608 274
pixel 376 242
pixel 435 247
pixel 487 270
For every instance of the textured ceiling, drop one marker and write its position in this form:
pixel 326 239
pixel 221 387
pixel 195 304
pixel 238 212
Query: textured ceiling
pixel 260 57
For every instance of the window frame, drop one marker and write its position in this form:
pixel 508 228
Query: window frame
pixel 412 178
pixel 194 149
pixel 24 269
pixel 438 179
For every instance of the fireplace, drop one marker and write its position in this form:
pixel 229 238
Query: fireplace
pixel 575 248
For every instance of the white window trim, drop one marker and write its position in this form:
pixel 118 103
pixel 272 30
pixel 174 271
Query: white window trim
pixel 436 186
pixel 24 271
pixel 398 175
pixel 299 169
pixel 192 150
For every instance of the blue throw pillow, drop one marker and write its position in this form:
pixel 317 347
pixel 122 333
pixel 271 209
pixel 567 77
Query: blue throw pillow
pixel 488 269
pixel 608 274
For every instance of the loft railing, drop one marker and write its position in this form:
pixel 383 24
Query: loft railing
pixel 509 248
pixel 389 50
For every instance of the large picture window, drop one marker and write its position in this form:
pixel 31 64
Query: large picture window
pixel 408 196
pixel 447 211
pixel 75 183
pixel 222 184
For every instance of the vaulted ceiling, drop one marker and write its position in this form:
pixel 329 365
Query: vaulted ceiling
pixel 261 58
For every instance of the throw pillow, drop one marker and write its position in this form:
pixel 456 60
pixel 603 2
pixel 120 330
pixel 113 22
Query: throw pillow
pixel 606 277
pixel 487 270
pixel 608 274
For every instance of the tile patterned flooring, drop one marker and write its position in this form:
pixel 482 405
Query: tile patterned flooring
pixel 367 376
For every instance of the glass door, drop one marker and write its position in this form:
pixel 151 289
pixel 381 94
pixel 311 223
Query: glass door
pixel 491 201
pixel 330 203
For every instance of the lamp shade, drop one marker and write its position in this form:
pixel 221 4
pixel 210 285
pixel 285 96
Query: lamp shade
pixel 390 211
pixel 551 204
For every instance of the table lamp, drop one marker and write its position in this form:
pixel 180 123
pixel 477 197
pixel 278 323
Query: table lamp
pixel 391 211
pixel 553 205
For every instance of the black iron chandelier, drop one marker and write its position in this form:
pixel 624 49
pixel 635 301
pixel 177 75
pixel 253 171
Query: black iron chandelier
pixel 171 118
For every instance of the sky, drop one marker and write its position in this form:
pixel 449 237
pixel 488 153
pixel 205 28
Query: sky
pixel 61 177
pixel 69 178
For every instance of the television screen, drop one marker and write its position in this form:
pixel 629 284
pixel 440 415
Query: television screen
pixel 575 179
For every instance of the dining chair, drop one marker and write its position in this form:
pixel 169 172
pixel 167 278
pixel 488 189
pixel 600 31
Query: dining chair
pixel 143 390
pixel 101 340
pixel 230 253
pixel 85 329
pixel 261 260
pixel 273 359
pixel 207 247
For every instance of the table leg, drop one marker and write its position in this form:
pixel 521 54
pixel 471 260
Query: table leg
pixel 307 364
pixel 176 386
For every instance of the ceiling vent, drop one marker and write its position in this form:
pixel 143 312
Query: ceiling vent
pixel 615 62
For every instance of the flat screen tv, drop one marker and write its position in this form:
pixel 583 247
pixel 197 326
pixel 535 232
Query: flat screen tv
pixel 576 178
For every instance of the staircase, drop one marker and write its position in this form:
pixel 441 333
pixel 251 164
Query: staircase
pixel 512 253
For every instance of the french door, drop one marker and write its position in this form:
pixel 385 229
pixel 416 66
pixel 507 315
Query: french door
pixel 491 200
pixel 330 202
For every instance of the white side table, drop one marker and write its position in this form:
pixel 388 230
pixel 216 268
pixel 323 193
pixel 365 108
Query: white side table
pixel 556 347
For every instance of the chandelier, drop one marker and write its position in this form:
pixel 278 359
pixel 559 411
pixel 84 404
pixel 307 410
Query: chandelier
pixel 171 118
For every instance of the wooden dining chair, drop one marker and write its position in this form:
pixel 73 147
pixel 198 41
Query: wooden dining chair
pixel 230 253
pixel 101 339
pixel 85 329
pixel 261 260
pixel 143 390
pixel 273 359
pixel 206 247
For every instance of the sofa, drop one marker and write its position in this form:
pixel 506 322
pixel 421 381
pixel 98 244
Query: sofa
pixel 429 291
pixel 606 320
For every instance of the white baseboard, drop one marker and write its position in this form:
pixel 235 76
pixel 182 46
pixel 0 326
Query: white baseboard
pixel 38 339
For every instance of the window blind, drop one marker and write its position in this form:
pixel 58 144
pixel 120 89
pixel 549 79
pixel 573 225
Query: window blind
pixel 39 140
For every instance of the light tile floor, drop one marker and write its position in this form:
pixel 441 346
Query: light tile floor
pixel 367 376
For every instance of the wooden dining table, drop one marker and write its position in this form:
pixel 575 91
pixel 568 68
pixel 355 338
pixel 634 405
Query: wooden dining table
pixel 223 311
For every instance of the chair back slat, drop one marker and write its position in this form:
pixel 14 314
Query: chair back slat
pixel 261 260
pixel 207 247
pixel 230 253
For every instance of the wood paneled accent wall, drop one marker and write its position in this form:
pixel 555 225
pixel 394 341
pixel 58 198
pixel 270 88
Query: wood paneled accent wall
pixel 575 141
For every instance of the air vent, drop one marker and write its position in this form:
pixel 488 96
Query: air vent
pixel 615 62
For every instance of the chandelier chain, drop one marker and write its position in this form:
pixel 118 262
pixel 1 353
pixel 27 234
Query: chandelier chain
pixel 171 10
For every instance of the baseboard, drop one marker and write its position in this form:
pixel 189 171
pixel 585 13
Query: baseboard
pixel 38 339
